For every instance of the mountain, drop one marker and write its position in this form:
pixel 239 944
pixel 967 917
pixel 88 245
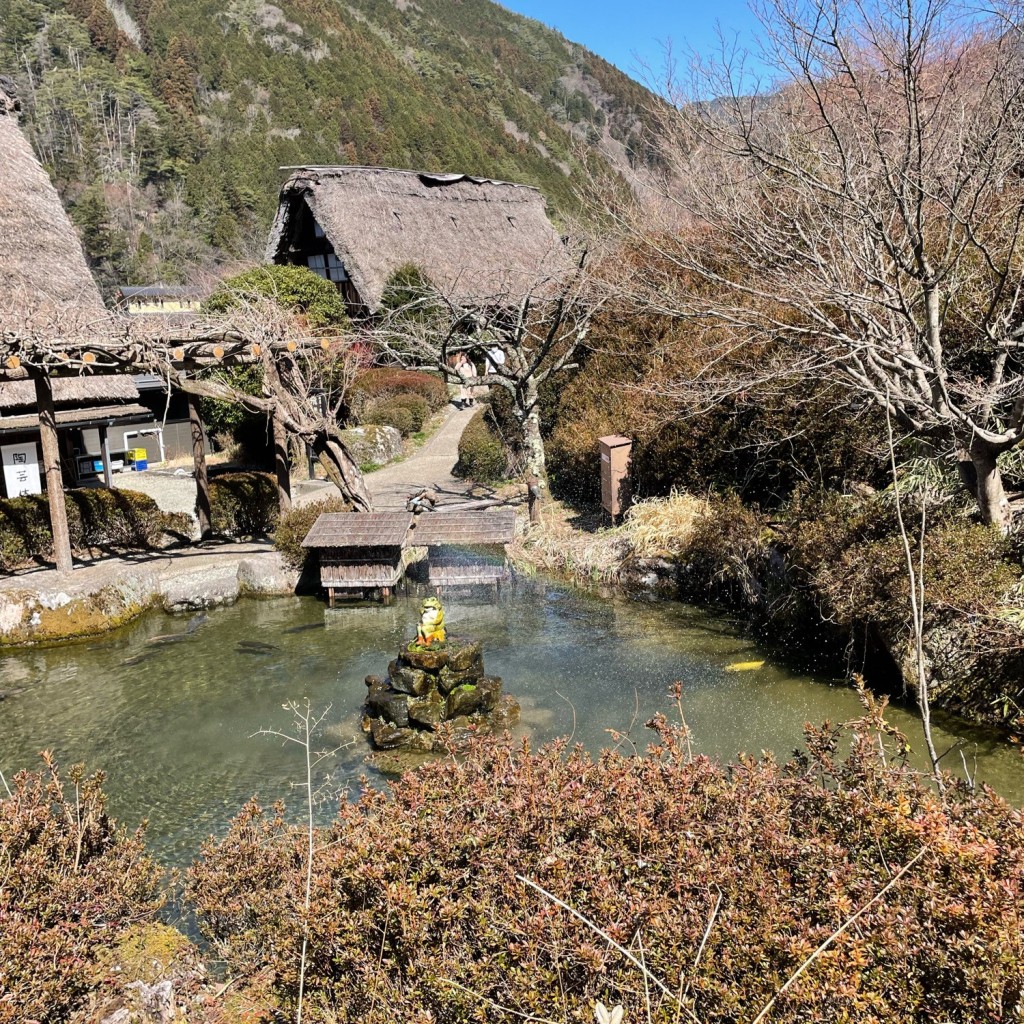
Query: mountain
pixel 165 123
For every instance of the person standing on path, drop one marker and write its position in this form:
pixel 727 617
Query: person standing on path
pixel 465 369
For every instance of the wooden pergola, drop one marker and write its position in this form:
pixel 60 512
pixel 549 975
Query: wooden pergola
pixel 24 356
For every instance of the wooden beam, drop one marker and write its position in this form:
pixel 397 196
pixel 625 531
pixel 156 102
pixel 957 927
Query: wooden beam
pixel 108 478
pixel 54 482
pixel 203 507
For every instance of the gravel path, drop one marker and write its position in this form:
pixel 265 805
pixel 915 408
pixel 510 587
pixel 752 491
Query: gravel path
pixel 430 466
pixel 173 492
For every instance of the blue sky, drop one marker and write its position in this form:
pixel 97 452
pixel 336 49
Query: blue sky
pixel 628 33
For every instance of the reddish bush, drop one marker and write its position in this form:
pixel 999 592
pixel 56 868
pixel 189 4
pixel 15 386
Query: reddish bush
pixel 387 381
pixel 71 882
pixel 418 914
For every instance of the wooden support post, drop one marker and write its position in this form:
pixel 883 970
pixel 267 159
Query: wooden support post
pixel 54 482
pixel 203 508
pixel 533 499
pixel 108 478
pixel 282 469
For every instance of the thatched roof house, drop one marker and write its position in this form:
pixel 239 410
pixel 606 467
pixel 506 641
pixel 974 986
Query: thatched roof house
pixel 46 290
pixel 476 239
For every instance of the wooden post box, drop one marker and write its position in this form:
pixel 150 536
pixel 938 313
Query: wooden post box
pixel 615 485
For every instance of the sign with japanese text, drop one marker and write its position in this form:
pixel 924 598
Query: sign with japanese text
pixel 21 469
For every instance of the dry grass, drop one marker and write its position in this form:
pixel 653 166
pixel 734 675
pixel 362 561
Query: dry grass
pixel 661 527
pixel 575 546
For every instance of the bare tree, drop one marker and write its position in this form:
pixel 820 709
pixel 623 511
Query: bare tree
pixel 519 340
pixel 305 390
pixel 861 221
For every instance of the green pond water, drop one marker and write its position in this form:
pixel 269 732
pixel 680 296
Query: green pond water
pixel 172 724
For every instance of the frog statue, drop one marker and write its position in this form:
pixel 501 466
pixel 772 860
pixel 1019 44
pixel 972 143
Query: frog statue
pixel 431 626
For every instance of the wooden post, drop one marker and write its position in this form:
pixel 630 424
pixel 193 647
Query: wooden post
pixel 203 509
pixel 108 479
pixel 54 482
pixel 533 498
pixel 282 470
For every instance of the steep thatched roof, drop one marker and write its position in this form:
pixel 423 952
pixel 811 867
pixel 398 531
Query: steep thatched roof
pixel 476 239
pixel 45 284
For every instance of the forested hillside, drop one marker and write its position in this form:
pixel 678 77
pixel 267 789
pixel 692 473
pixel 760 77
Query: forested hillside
pixel 164 122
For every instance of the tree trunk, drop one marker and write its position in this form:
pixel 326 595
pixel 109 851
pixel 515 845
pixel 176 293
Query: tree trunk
pixel 282 467
pixel 204 511
pixel 342 471
pixel 54 482
pixel 533 442
pixel 989 493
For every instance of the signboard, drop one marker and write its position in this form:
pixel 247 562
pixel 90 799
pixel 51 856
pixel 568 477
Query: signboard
pixel 21 469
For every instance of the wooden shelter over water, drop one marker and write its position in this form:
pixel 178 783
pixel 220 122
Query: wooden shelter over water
pixel 465 548
pixel 360 551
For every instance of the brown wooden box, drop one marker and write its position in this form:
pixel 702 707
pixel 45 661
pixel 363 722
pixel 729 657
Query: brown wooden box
pixel 616 492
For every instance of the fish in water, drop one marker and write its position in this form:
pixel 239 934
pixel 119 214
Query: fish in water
pixel 306 628
pixel 256 645
pixel 743 666
pixel 135 659
pixel 172 638
pixel 167 638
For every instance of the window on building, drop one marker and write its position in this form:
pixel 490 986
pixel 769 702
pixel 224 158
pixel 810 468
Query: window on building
pixel 328 265
pixel 317 230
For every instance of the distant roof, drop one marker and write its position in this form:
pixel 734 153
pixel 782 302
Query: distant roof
pixel 45 284
pixel 359 530
pixel 474 238
pixel 157 291
pixel 464 529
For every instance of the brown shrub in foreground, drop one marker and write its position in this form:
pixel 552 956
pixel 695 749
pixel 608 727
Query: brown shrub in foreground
pixel 418 913
pixel 71 882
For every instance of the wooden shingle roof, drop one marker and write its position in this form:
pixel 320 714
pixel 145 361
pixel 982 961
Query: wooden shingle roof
pixel 464 529
pixel 359 530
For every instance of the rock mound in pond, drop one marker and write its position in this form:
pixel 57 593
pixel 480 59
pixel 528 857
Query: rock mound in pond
pixel 427 687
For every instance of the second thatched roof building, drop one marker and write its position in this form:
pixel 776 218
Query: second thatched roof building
pixel 476 239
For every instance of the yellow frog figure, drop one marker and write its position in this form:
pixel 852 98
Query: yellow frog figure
pixel 431 627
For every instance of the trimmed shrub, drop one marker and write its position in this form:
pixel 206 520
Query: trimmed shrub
pixel 293 526
pixel 417 406
pixel 243 504
pixel 97 517
pixel 387 381
pixel 291 287
pixel 482 456
pixel 419 894
pixel 73 883
pixel 391 414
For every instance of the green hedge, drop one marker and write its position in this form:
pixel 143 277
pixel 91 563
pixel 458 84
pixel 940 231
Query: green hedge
pixel 417 406
pixel 293 526
pixel 392 413
pixel 243 504
pixel 482 456
pixel 96 518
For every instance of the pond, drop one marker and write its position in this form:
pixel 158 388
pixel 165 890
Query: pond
pixel 173 722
